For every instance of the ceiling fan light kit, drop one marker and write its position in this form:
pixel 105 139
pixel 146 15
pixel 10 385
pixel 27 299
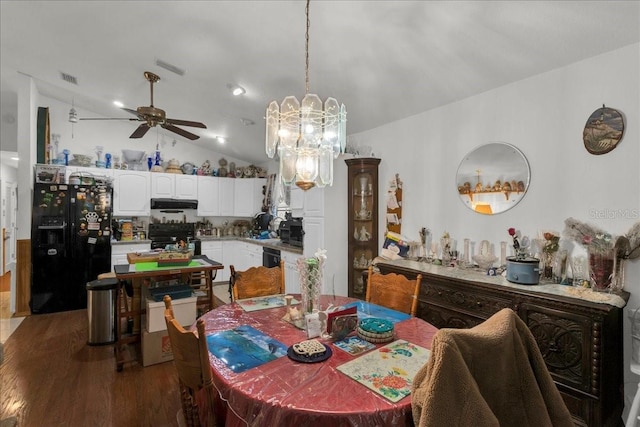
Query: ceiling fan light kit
pixel 307 136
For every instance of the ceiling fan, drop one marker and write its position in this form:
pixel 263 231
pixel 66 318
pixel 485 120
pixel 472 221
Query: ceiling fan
pixel 152 116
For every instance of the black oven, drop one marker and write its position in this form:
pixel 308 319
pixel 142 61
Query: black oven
pixel 270 257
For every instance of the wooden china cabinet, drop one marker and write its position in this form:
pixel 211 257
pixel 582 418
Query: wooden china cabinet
pixel 363 220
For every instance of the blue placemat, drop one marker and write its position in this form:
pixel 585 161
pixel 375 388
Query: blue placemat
pixel 244 348
pixel 366 309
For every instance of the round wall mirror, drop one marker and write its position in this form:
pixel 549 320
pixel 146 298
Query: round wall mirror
pixel 493 178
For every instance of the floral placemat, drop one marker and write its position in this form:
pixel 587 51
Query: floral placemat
pixel 263 303
pixel 389 370
pixel 244 348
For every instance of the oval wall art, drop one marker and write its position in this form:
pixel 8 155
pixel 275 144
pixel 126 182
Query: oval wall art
pixel 603 130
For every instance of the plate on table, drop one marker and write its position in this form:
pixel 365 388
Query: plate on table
pixel 314 359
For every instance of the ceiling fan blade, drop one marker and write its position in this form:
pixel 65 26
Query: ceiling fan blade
pixel 179 131
pixel 186 123
pixel 109 118
pixel 140 131
pixel 134 112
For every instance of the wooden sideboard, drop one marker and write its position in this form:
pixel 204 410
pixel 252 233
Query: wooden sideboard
pixel 581 340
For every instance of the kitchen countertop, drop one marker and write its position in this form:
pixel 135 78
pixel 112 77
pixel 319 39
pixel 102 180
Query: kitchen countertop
pixel 270 243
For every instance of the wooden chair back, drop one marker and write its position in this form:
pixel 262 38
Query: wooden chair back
pixel 393 291
pixel 257 281
pixel 191 359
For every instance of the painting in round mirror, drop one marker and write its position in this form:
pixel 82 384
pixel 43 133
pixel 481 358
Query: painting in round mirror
pixel 493 178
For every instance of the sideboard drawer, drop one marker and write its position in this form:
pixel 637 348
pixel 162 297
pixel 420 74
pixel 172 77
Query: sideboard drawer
pixel 474 303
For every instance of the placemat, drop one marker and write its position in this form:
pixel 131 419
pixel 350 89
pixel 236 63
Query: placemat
pixel 389 370
pixel 244 348
pixel 366 309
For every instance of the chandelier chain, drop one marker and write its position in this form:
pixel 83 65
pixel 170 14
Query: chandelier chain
pixel 306 50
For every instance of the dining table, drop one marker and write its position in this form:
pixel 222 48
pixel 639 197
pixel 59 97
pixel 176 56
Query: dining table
pixel 286 392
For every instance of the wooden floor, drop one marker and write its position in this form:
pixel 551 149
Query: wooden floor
pixel 51 377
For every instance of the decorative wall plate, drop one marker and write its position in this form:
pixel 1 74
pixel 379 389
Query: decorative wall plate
pixel 603 130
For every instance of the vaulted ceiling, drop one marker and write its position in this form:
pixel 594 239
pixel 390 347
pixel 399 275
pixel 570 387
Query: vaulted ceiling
pixel 384 60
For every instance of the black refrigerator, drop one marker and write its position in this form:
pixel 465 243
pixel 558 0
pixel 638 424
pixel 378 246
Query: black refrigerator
pixel 71 243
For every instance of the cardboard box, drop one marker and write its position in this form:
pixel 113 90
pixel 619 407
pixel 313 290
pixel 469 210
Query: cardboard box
pixel 156 347
pixel 184 311
pixel 50 174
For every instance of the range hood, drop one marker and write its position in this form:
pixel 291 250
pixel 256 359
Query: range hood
pixel 173 204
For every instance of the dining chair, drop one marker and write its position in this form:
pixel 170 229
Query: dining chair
pixel 191 359
pixel 257 281
pixel 488 376
pixel 393 291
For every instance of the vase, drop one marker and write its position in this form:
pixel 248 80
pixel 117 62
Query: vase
pixel 310 271
pixel 601 269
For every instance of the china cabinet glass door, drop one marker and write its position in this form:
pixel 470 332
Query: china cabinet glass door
pixel 363 221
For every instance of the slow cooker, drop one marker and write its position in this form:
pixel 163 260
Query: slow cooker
pixel 525 271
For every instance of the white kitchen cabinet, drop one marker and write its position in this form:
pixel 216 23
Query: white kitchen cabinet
pixel 119 251
pixel 208 196
pixel 227 196
pixel 291 277
pixel 313 235
pixel 131 193
pixel 213 250
pixel 229 251
pixel 248 196
pixel 186 186
pixel 174 186
pixel 307 203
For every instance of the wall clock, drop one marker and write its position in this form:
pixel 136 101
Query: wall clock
pixel 603 130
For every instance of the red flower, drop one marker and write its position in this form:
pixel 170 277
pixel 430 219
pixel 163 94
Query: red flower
pixel 512 231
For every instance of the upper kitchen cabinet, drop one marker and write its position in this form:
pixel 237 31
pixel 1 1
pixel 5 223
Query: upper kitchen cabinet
pixel 248 196
pixel 208 196
pixel 131 193
pixel 174 186
pixel 227 196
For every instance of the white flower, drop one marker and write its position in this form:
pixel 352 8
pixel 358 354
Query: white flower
pixel 321 254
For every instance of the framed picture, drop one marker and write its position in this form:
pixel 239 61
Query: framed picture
pixel 603 130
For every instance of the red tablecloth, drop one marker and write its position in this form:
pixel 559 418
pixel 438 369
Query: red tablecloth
pixel 286 393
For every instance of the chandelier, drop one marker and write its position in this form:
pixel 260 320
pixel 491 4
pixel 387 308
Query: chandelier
pixel 306 135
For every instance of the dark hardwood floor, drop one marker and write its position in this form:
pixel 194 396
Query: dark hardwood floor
pixel 51 377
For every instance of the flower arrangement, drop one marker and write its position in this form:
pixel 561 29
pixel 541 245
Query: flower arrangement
pixel 519 248
pixel 310 270
pixel 551 242
pixel 595 239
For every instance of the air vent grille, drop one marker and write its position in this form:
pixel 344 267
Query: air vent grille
pixel 69 78
pixel 162 64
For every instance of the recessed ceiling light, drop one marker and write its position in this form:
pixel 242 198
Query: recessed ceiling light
pixel 221 139
pixel 15 158
pixel 118 104
pixel 236 90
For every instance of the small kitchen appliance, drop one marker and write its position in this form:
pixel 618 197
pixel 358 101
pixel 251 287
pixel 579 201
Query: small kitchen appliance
pixel 261 222
pixel 291 231
pixel 525 271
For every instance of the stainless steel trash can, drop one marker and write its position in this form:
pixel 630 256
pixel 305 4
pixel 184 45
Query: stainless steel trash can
pixel 101 302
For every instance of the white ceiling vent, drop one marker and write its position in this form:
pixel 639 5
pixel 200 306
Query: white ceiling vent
pixel 69 78
pixel 162 64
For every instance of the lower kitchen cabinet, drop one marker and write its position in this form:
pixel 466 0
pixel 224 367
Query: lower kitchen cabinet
pixel 291 277
pixel 581 341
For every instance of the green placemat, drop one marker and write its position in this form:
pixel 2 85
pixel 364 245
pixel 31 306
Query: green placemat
pixel 153 266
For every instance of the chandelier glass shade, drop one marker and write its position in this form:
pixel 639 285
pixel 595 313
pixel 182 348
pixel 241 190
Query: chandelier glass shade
pixel 306 135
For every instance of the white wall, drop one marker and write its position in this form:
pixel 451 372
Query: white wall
pixel 544 117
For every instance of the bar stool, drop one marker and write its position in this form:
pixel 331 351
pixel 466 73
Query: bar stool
pixel 632 419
